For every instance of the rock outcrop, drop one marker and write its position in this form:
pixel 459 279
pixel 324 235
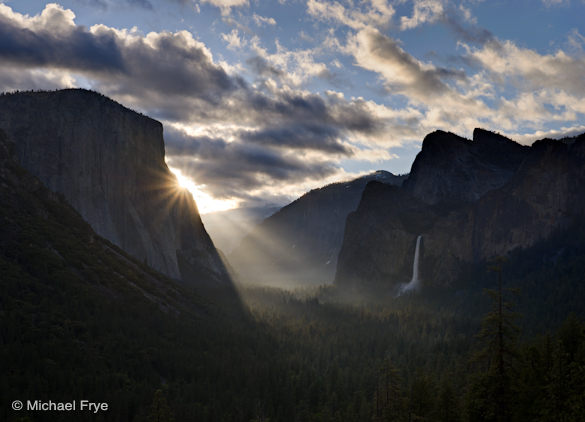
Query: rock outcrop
pixel 451 168
pixel 108 163
pixel 299 244
pixel 476 200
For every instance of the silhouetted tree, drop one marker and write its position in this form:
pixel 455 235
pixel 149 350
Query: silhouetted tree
pixel 564 399
pixel 492 392
pixel 388 402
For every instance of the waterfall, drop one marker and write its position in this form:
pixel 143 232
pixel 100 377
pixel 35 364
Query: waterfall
pixel 414 282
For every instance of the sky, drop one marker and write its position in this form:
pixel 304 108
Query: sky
pixel 262 101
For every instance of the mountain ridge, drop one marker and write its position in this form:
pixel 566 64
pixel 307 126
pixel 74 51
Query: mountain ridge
pixel 452 168
pixel 499 210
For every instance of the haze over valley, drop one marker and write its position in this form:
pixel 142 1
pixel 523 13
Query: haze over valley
pixel 288 211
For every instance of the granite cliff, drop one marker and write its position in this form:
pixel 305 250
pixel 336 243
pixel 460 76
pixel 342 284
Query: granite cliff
pixel 453 169
pixel 299 244
pixel 470 201
pixel 108 163
pixel 47 249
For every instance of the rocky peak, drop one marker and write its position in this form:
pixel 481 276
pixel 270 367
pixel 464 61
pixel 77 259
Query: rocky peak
pixel 498 150
pixel 482 136
pixel 450 168
pixel 440 142
pixel 108 162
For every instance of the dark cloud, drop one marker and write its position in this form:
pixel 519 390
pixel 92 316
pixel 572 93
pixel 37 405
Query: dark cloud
pixel 302 108
pixel 299 136
pixel 55 43
pixel 421 80
pixel 169 63
pixel 232 169
pixel 172 76
pixel 261 67
pixel 355 116
pixel 277 135
pixel 445 73
pixel 295 105
pixel 470 33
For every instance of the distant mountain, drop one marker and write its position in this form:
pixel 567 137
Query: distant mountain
pixel 470 201
pixel 299 244
pixel 108 162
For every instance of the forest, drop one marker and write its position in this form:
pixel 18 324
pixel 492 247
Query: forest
pixel 292 357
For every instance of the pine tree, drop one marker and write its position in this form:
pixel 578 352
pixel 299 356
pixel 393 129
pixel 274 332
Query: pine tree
pixel 565 389
pixel 388 402
pixel 422 397
pixel 492 393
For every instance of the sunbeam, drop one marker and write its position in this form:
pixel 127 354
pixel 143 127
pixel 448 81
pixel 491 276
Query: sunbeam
pixel 205 202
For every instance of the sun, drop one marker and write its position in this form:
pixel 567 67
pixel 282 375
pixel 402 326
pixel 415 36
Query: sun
pixel 205 202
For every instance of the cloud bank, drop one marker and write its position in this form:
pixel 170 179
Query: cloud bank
pixel 253 129
pixel 229 135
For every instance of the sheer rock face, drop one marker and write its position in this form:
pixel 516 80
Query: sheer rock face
pixel 299 244
pixel 495 197
pixel 108 162
pixel 546 194
pixel 451 168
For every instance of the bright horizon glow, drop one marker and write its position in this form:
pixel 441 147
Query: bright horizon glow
pixel 205 203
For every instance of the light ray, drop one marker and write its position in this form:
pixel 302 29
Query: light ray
pixel 205 202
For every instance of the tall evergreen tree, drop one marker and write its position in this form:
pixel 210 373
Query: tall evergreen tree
pixel 421 401
pixel 388 401
pixel 564 400
pixel 492 392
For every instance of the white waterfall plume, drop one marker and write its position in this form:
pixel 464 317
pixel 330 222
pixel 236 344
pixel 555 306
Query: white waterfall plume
pixel 414 282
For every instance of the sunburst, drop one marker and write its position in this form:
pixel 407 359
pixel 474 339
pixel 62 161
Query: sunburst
pixel 205 202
